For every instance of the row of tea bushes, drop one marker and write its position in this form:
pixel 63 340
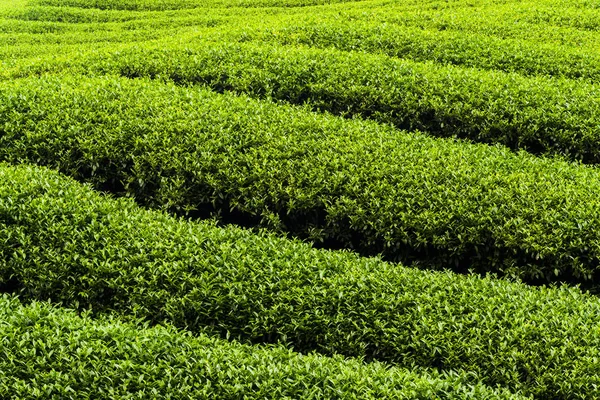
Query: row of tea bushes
pixel 47 352
pixel 425 32
pixel 94 19
pixel 446 47
pixel 351 28
pixel 56 25
pixel 480 24
pixel 45 32
pixel 540 115
pixel 347 183
pixel 61 241
pixel 567 23
pixel 70 15
pixel 570 24
pixel 165 5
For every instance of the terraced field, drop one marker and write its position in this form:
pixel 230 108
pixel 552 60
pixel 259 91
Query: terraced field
pixel 299 199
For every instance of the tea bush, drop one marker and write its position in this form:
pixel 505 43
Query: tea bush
pixel 52 353
pixel 63 242
pixel 162 5
pixel 467 49
pixel 350 184
pixel 553 116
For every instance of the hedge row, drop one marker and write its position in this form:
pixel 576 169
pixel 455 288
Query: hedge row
pixel 96 20
pixel 163 5
pixel 540 115
pixel 39 30
pixel 569 23
pixel 346 183
pixel 72 15
pixel 359 27
pixel 51 353
pixel 446 47
pixel 61 241
pixel 573 26
pixel 34 23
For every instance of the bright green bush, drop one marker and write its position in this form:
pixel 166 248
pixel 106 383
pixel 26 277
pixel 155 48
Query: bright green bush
pixel 540 115
pixel 446 47
pixel 560 23
pixel 350 184
pixel 47 25
pixel 569 23
pixel 141 5
pixel 50 353
pixel 72 15
pixel 61 241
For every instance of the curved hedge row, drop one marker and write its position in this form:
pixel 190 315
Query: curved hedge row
pixel 90 21
pixel 163 5
pixel 71 15
pixel 568 23
pixel 351 184
pixel 466 49
pixel 540 115
pixel 61 241
pixel 50 353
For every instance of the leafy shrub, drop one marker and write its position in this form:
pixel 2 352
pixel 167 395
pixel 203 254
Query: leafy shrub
pixel 541 115
pixel 52 353
pixel 61 241
pixel 455 47
pixel 162 5
pixel 350 184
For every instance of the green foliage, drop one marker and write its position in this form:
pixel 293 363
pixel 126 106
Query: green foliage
pixel 559 22
pixel 61 241
pixel 540 115
pixel 50 353
pixel 510 72
pixel 351 184
pixel 162 5
pixel 468 49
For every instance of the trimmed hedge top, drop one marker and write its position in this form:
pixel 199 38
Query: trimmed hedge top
pixel 542 115
pixel 51 353
pixel 61 241
pixel 350 184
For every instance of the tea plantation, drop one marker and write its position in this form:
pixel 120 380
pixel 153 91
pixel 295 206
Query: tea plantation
pixel 299 199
